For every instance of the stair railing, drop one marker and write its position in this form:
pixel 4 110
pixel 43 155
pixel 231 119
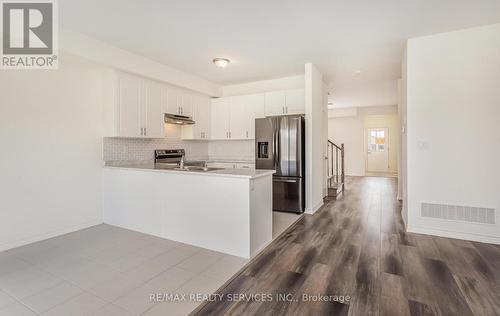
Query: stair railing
pixel 336 170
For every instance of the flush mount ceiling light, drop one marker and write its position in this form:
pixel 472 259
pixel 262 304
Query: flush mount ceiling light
pixel 358 72
pixel 221 62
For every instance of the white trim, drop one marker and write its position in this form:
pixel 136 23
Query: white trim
pixel 59 232
pixel 455 235
pixel 316 208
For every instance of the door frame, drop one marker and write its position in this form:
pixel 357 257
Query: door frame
pixel 387 142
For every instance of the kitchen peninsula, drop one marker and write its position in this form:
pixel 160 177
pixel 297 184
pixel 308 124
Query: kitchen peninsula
pixel 226 210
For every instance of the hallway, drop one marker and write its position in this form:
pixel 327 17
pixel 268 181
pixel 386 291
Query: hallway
pixel 355 252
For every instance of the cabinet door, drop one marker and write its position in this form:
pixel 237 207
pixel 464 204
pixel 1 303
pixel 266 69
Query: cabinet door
pixel 295 101
pixel 275 103
pixel 255 107
pixel 220 118
pixel 129 106
pixel 187 106
pixel 238 118
pixel 202 116
pixel 154 120
pixel 174 101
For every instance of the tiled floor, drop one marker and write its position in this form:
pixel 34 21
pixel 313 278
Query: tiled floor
pixel 105 270
pixel 282 221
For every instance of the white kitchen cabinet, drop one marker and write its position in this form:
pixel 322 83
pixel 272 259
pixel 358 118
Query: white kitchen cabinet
pixel 129 106
pixel 238 126
pixel 201 116
pixel 255 107
pixel 295 101
pixel 285 102
pixel 275 103
pixel 173 100
pixel 234 117
pixel 139 106
pixel 220 117
pixel 187 106
pixel 153 112
pixel 179 102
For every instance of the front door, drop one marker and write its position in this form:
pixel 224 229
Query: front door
pixel 377 152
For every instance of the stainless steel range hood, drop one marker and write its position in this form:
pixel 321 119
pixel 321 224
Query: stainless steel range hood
pixel 178 119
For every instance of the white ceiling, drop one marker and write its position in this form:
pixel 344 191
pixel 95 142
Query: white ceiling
pixel 274 38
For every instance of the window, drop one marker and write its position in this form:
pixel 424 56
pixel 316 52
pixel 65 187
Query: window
pixel 377 140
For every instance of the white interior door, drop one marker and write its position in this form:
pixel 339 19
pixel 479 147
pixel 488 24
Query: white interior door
pixel 377 151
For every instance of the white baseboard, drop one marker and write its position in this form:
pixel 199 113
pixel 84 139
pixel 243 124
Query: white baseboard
pixel 55 233
pixel 455 235
pixel 314 209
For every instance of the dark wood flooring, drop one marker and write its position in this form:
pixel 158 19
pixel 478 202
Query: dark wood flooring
pixel 357 246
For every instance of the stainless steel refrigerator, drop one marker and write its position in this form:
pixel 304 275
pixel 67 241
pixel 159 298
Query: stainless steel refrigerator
pixel 279 145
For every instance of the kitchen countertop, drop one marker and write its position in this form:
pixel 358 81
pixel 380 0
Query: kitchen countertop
pixel 237 173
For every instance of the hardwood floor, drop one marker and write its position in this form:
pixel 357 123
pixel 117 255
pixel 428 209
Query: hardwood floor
pixel 357 247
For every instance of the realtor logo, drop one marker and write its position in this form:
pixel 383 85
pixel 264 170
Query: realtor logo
pixel 29 35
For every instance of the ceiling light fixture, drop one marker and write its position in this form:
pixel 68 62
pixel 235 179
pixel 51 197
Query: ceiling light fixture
pixel 358 72
pixel 221 62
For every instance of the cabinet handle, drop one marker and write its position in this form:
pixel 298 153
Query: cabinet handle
pixel 247 134
pixel 229 134
pixel 145 132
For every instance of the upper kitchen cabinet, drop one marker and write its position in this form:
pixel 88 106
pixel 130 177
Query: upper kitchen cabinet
pixel 285 102
pixel 134 107
pixel 201 116
pixel 249 107
pixel 179 102
pixel 173 100
pixel 295 101
pixel 220 119
pixel 129 104
pixel 153 111
pixel 238 127
pixel 188 103
pixel 234 117
pixel 275 103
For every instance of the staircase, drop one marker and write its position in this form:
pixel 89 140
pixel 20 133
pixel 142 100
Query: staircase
pixel 336 173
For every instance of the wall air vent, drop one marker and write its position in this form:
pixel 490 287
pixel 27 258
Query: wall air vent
pixel 459 213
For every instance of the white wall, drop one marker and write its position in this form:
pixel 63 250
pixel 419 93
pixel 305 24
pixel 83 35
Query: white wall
pixel 350 130
pixel 50 166
pixel 285 83
pixel 108 55
pixel 315 112
pixel 363 92
pixel 453 112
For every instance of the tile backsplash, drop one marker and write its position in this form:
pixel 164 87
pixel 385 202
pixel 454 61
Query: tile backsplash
pixel 142 150
pixel 138 149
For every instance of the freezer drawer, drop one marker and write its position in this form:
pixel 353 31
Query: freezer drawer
pixel 288 194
